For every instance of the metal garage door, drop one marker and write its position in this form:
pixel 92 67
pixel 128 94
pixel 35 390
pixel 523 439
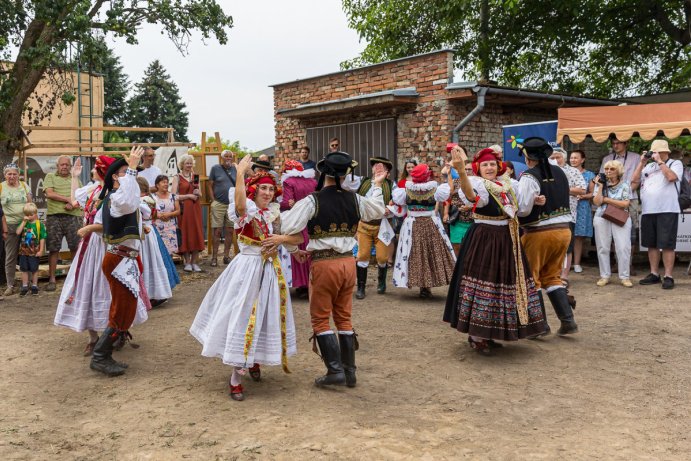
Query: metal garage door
pixel 362 140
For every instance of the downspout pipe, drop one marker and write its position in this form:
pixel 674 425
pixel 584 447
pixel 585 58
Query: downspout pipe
pixel 481 92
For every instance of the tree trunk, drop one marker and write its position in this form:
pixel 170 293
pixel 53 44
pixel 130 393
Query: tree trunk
pixel 484 45
pixel 23 79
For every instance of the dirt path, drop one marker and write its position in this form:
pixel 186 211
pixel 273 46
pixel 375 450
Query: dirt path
pixel 621 389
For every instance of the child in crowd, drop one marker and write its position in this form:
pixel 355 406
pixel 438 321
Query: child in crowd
pixel 31 246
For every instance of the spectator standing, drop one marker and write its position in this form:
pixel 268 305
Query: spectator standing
pixel 659 182
pixel 149 171
pixel 168 210
pixel 334 145
pixel 31 246
pixel 186 186
pixel 584 215
pixel 63 218
pixel 616 192
pixel 221 179
pixel 577 186
pixel 298 183
pixel 630 160
pixel 306 161
pixel 14 194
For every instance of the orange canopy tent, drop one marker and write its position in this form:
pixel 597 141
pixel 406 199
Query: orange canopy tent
pixel 644 120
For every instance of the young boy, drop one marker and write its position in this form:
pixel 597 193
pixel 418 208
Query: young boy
pixel 31 247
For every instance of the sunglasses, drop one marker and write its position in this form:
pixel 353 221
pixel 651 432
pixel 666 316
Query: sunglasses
pixel 334 145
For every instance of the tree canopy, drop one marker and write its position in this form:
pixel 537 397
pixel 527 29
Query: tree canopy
pixel 42 30
pixel 604 48
pixel 156 102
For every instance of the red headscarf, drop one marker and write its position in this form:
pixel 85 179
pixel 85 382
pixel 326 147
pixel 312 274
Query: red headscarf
pixel 420 173
pixel 102 164
pixel 262 177
pixel 293 165
pixel 487 155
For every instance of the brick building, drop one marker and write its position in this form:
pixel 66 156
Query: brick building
pixel 405 108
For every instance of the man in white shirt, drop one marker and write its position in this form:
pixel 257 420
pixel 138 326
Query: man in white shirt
pixel 659 182
pixel 149 171
pixel 331 216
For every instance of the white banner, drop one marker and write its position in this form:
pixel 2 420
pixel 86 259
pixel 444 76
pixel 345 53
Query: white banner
pixel 167 159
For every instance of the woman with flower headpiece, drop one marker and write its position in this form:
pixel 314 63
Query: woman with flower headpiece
pixel 297 184
pixel 84 303
pixel 492 295
pixel 246 317
pixel 425 257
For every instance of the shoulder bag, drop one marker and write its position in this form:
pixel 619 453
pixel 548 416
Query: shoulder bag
pixel 613 213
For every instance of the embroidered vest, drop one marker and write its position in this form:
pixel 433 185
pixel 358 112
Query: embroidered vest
pixel 117 230
pixel 337 214
pixel 386 187
pixel 420 200
pixel 555 190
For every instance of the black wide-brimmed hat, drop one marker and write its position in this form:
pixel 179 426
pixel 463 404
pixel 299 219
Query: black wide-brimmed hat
pixel 384 161
pixel 108 180
pixel 261 164
pixel 536 148
pixel 336 164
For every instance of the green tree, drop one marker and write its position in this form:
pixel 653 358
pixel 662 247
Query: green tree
pixel 600 47
pixel 99 58
pixel 156 103
pixel 42 30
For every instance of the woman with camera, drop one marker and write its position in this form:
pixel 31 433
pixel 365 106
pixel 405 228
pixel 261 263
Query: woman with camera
pixel 186 187
pixel 612 223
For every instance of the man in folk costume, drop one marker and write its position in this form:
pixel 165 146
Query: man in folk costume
pixel 331 216
pixel 545 215
pixel 370 232
pixel 122 231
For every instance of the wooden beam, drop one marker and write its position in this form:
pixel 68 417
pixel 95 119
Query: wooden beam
pixel 97 128
pixel 86 145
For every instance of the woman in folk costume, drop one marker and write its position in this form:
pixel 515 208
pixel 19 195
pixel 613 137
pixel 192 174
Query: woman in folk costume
pixel 85 299
pixel 154 271
pixel 425 257
pixel 492 295
pixel 297 184
pixel 246 317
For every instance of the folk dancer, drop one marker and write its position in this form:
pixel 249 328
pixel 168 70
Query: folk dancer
pixel 544 214
pixel 122 266
pixel 331 216
pixel 246 318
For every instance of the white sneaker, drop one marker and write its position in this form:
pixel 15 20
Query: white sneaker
pixel 577 269
pixel 188 268
pixel 196 268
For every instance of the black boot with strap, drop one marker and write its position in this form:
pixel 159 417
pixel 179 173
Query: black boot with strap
pixel 361 282
pixel 349 344
pixel 381 280
pixel 331 354
pixel 102 357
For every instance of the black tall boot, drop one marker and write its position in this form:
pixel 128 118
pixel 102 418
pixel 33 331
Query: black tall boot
pixel 361 282
pixel 102 357
pixel 381 280
pixel 348 347
pixel 328 346
pixel 562 307
pixel 548 330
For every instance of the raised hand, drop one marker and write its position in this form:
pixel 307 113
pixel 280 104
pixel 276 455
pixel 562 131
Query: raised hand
pixel 458 159
pixel 77 168
pixel 244 165
pixel 135 157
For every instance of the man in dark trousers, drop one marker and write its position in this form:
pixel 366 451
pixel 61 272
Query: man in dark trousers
pixel 544 214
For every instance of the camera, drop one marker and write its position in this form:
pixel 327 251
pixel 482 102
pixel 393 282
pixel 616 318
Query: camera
pixel 603 178
pixel 648 154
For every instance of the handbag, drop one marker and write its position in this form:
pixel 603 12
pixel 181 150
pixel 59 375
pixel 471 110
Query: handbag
pixel 614 214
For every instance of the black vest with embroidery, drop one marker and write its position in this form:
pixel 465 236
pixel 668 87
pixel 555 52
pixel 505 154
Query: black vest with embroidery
pixel 420 200
pixel 337 214
pixel 491 210
pixel 117 230
pixel 386 188
pixel 555 190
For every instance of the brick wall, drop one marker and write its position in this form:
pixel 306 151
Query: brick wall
pixel 418 129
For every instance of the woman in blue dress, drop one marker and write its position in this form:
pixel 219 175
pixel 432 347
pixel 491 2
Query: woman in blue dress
pixel 584 215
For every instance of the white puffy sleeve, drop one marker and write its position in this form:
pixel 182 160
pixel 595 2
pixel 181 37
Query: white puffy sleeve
pixel 251 210
pixel 351 184
pixel 145 210
pixel 399 196
pixel 372 207
pixel 442 193
pixel 527 189
pixel 82 194
pixel 479 189
pixel 126 199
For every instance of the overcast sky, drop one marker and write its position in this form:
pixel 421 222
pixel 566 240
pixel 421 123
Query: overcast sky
pixel 226 87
